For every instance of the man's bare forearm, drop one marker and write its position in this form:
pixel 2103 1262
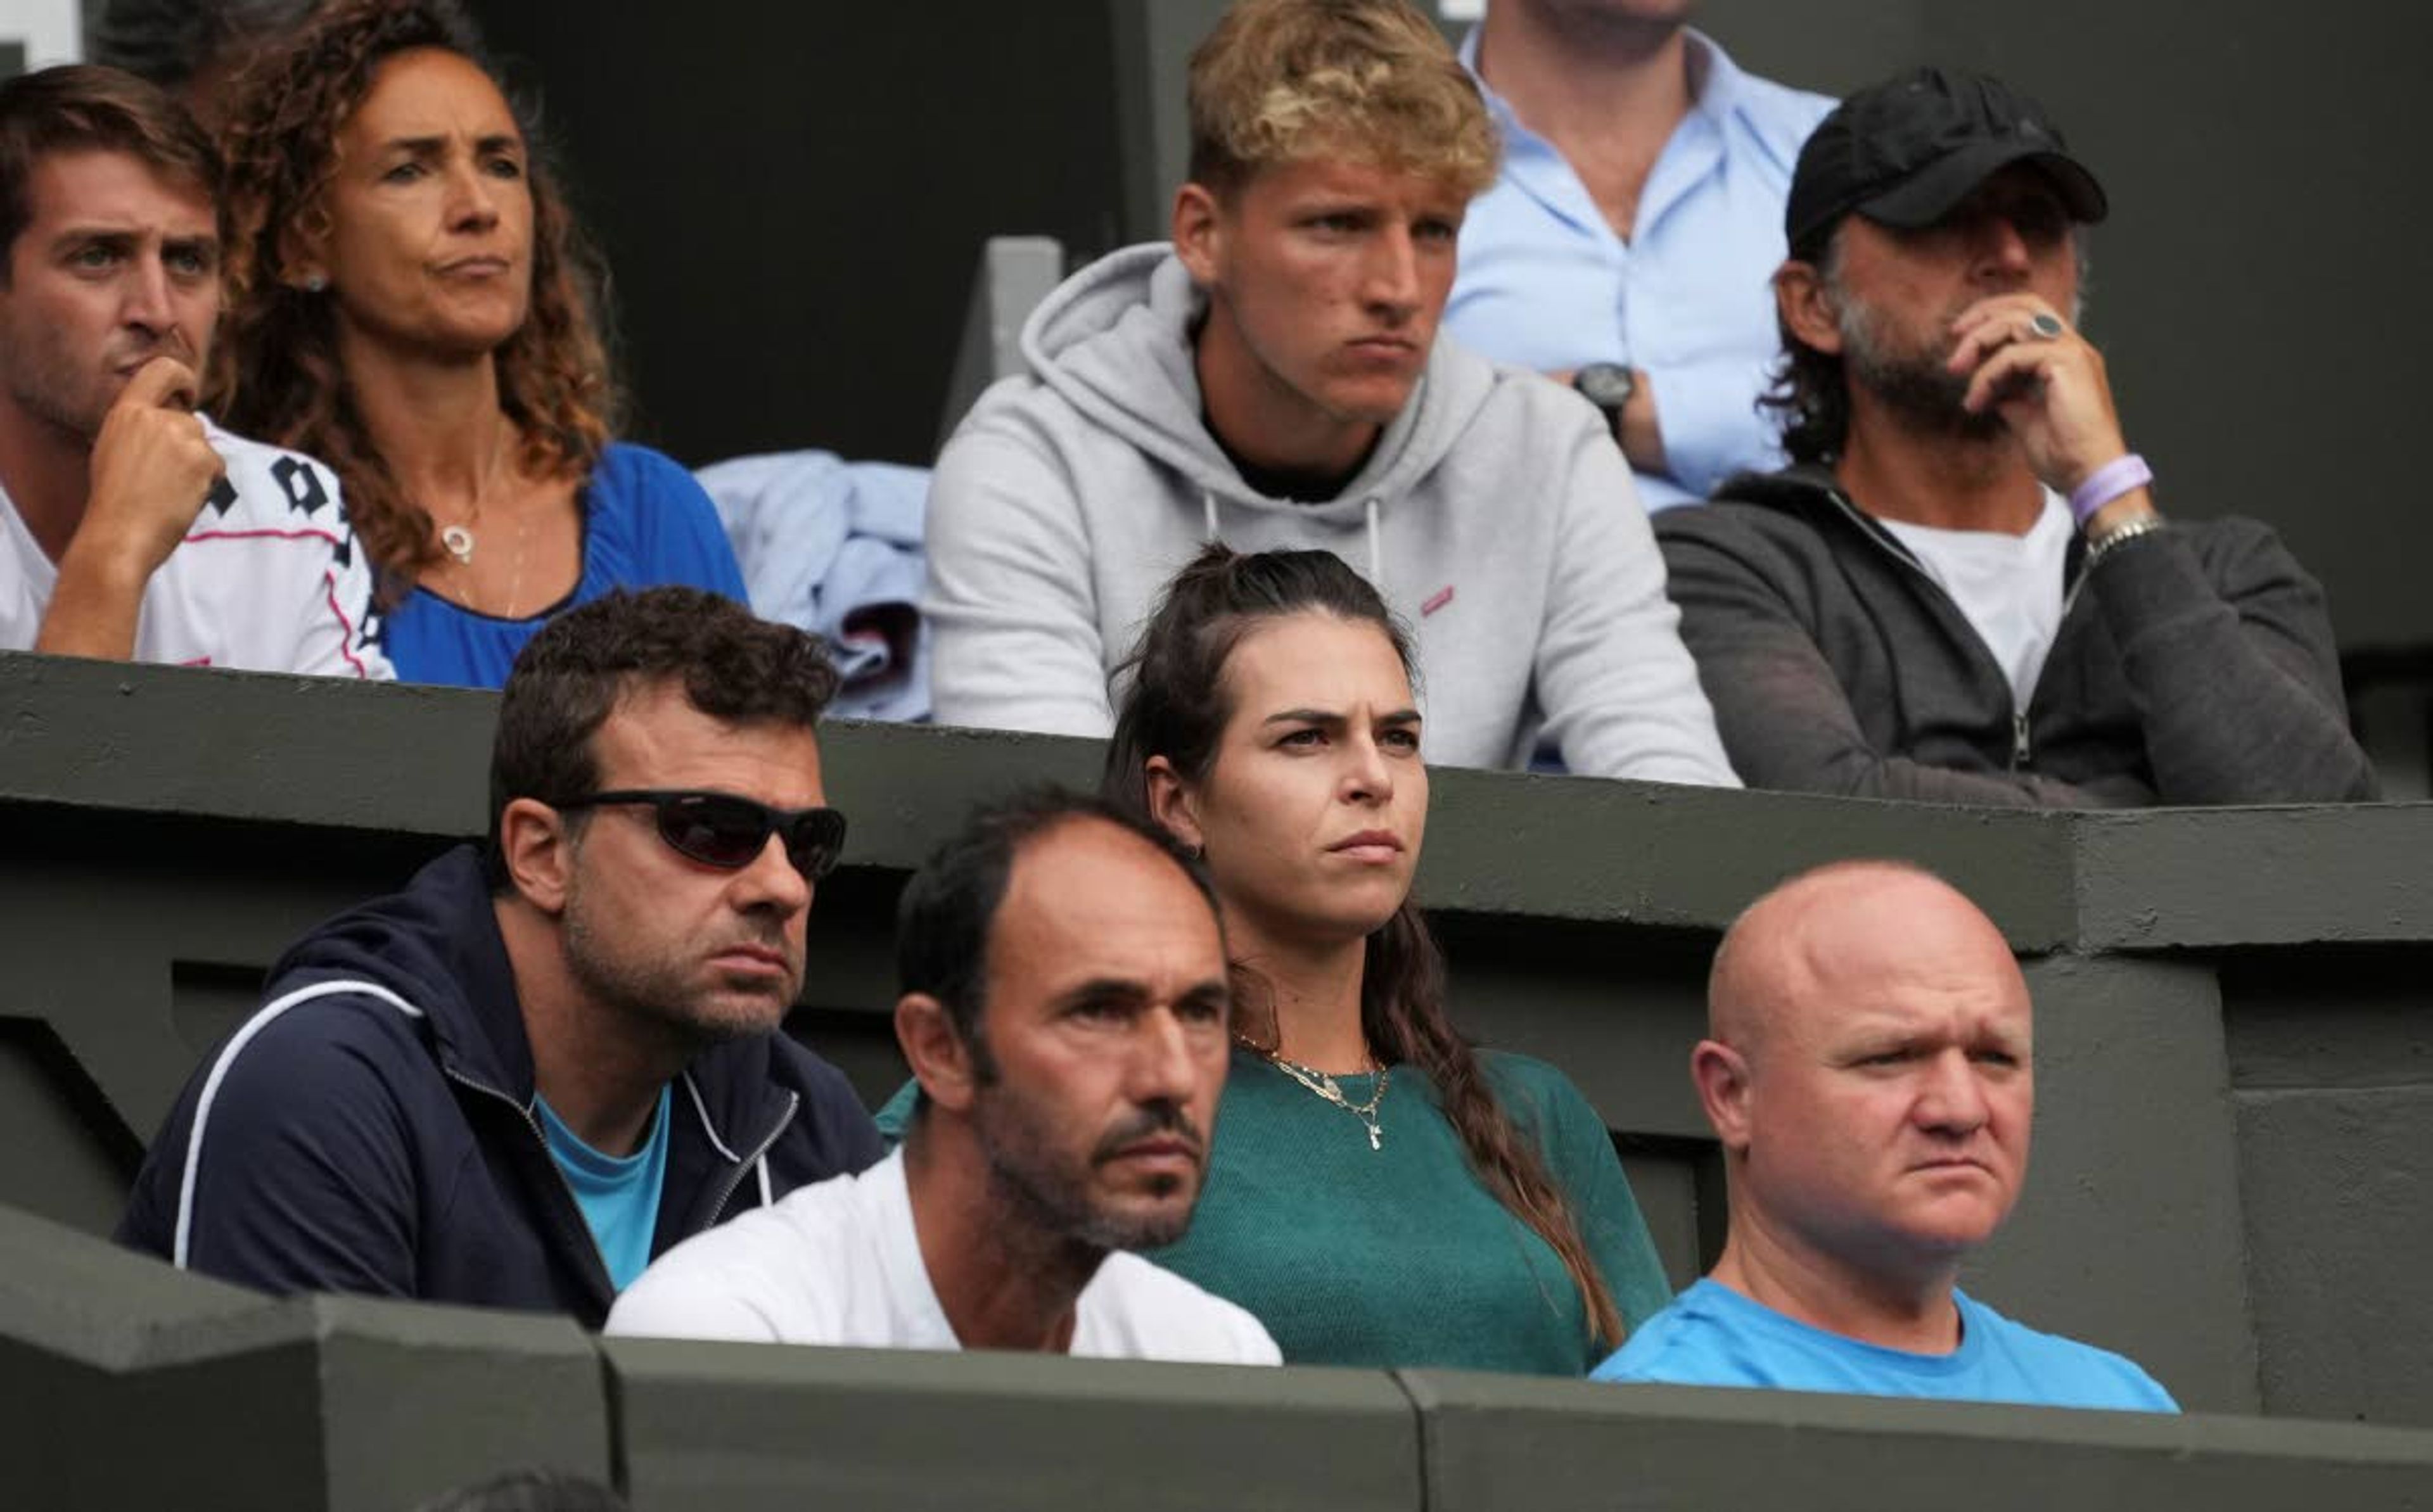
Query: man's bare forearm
pixel 94 609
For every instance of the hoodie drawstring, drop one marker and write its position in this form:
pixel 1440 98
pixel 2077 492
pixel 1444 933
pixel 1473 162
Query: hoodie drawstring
pixel 1376 534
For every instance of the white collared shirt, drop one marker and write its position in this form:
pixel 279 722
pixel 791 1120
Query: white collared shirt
pixel 1545 284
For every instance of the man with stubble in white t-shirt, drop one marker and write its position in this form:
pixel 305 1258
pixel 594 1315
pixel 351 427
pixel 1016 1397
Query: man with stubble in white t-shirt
pixel 1065 1011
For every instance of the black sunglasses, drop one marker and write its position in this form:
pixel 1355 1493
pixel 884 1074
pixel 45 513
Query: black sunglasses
pixel 721 829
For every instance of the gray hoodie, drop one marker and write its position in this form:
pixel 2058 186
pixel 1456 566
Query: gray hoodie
pixel 1495 516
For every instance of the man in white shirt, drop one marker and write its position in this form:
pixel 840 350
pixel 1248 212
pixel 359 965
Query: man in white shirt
pixel 1065 1013
pixel 131 527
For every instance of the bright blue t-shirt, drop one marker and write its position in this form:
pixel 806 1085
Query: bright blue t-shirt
pixel 619 1195
pixel 645 523
pixel 1713 1336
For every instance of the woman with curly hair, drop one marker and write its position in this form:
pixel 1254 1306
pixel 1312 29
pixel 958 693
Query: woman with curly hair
pixel 410 300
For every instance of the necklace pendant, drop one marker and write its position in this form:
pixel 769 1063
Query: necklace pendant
pixel 1377 1137
pixel 459 542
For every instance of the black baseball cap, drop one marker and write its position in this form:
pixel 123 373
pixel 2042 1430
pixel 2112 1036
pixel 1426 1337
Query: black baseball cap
pixel 1903 153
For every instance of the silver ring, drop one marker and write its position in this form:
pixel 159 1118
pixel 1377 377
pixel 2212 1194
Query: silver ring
pixel 2044 326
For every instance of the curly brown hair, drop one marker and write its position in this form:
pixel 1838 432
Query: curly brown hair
pixel 733 666
pixel 275 374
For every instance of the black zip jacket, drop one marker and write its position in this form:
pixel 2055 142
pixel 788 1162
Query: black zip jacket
pixel 371 1129
pixel 2194 665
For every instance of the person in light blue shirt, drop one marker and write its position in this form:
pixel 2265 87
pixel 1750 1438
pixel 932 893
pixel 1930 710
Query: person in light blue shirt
pixel 1637 222
pixel 618 1193
pixel 1869 1071
pixel 1713 1336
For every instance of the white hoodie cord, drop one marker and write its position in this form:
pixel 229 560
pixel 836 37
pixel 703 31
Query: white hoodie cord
pixel 1376 536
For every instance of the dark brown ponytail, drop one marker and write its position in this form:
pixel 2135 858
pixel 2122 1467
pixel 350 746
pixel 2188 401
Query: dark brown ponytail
pixel 1175 707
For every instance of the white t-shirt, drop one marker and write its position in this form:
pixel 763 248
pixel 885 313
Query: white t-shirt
pixel 838 1262
pixel 2008 585
pixel 269 577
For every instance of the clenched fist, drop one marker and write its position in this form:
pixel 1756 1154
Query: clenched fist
pixel 2046 382
pixel 152 469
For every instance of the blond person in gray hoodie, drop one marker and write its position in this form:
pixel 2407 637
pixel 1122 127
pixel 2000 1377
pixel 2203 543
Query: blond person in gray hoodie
pixel 1273 378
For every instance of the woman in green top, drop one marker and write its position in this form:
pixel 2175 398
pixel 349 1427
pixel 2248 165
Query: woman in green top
pixel 1378 1194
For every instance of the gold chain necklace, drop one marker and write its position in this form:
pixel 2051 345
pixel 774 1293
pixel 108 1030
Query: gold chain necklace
pixel 1326 1087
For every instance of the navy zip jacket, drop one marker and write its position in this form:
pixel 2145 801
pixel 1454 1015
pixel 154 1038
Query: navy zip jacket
pixel 371 1129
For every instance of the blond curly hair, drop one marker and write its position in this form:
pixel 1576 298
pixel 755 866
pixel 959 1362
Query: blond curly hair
pixel 1287 81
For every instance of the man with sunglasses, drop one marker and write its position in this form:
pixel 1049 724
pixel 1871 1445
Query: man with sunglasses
pixel 547 1061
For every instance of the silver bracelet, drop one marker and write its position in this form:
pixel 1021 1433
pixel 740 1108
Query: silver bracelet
pixel 2112 540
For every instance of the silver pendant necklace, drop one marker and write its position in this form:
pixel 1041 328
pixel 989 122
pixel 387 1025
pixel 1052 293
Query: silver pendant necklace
pixel 458 541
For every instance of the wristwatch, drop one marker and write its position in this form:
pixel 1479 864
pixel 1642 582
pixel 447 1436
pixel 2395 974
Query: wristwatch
pixel 1608 386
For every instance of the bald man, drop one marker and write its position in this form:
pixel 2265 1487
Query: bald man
pixel 1869 1071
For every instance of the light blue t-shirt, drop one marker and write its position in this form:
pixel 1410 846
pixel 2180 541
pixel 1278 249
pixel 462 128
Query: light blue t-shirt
pixel 645 523
pixel 619 1195
pixel 1713 1336
pixel 1547 284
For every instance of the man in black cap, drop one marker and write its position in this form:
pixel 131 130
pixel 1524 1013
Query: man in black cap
pixel 1961 590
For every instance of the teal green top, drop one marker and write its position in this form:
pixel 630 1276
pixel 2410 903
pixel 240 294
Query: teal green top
pixel 1396 1256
